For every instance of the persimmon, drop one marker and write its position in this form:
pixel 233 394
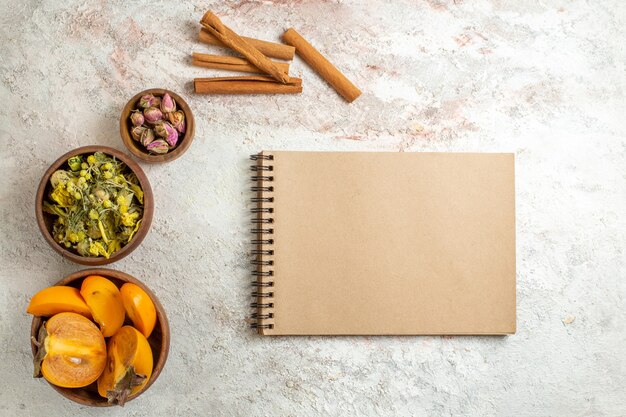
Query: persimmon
pixel 129 365
pixel 71 351
pixel 139 307
pixel 58 299
pixel 105 302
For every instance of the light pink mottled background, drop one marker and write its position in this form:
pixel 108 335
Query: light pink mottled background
pixel 543 79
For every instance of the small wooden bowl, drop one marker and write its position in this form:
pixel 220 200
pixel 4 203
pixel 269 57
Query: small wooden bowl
pixel 137 148
pixel 45 220
pixel 159 339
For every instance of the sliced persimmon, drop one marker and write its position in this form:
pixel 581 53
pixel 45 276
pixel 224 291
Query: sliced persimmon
pixel 105 302
pixel 71 351
pixel 139 308
pixel 58 299
pixel 129 365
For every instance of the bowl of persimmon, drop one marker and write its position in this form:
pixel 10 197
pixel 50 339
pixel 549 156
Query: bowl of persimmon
pixel 99 337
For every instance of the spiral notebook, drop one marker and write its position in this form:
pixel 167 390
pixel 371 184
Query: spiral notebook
pixel 352 243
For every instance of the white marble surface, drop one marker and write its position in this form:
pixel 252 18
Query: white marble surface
pixel 543 79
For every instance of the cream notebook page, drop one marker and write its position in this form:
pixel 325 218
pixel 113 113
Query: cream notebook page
pixel 387 243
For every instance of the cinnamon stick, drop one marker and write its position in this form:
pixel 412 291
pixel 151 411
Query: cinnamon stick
pixel 231 63
pixel 229 38
pixel 250 84
pixel 269 49
pixel 322 66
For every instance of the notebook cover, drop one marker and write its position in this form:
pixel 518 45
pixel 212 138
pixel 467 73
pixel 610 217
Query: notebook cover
pixel 390 244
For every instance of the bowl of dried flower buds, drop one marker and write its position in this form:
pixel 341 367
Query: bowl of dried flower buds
pixel 157 125
pixel 94 205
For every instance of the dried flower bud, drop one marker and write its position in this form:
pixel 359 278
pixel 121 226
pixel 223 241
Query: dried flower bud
pixel 159 129
pixel 167 132
pixel 168 104
pixel 136 132
pixel 136 118
pixel 177 119
pixel 158 146
pixel 152 114
pixel 147 137
pixel 172 135
pixel 146 101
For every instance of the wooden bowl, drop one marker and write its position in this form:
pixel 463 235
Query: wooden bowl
pixel 137 148
pixel 159 339
pixel 45 220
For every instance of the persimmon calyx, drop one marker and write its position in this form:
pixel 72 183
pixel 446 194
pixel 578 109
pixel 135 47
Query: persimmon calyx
pixel 124 387
pixel 41 353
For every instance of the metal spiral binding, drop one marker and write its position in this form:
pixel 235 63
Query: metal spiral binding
pixel 262 271
pixel 262 210
pixel 260 262
pixel 262 241
pixel 257 189
pixel 259 294
pixel 262 231
pixel 257 221
pixel 259 156
pixel 262 305
pixel 262 168
pixel 257 325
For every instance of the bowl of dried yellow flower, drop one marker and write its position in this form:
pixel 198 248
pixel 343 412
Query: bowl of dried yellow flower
pixel 94 205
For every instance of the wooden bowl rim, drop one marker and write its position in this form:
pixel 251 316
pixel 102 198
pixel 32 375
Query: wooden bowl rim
pixel 148 206
pixel 162 322
pixel 179 150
